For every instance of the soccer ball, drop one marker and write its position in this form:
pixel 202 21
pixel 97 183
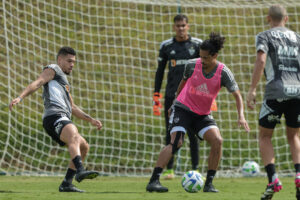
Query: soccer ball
pixel 192 181
pixel 250 168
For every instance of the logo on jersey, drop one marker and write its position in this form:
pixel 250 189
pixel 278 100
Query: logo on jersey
pixel 173 62
pixel 291 90
pixel 202 88
pixel 192 51
pixel 176 120
pixel 173 52
pixel 287 51
pixel 287 35
pixel 67 88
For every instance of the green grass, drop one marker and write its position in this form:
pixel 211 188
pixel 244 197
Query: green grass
pixel 46 188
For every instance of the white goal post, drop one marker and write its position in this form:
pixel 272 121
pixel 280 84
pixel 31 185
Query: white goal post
pixel 117 43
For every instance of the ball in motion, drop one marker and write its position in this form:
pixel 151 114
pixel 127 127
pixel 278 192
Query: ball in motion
pixel 250 168
pixel 192 181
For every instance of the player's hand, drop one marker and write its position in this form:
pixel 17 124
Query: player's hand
pixel 243 123
pixel 170 110
pixel 14 102
pixel 96 123
pixel 251 99
pixel 156 103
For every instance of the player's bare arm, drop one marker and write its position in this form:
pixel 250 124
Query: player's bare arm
pixel 257 73
pixel 47 75
pixel 240 108
pixel 77 112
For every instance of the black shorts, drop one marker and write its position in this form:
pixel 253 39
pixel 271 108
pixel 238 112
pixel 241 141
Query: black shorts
pixel 182 120
pixel 54 124
pixel 272 110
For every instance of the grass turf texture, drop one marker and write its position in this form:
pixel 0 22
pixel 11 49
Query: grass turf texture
pixel 46 188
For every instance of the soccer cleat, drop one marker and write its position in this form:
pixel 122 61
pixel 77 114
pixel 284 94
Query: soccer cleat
pixel 209 188
pixel 273 187
pixel 168 174
pixel 68 187
pixel 85 175
pixel 297 183
pixel 155 186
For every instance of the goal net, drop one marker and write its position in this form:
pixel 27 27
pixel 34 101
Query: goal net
pixel 117 44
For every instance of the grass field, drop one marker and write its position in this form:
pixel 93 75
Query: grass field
pixel 123 188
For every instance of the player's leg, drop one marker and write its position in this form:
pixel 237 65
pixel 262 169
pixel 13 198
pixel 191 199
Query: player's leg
pixel 168 174
pixel 163 158
pixel 270 115
pixel 213 137
pixel 194 149
pixel 75 142
pixel 180 119
pixel 53 125
pixel 292 113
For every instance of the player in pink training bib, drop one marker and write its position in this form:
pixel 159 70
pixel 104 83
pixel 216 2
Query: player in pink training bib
pixel 202 80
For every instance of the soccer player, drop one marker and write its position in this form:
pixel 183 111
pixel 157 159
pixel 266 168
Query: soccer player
pixel 176 52
pixel 57 122
pixel 202 80
pixel 278 55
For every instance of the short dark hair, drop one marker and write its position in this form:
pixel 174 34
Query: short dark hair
pixel 277 12
pixel 181 17
pixel 213 44
pixel 65 51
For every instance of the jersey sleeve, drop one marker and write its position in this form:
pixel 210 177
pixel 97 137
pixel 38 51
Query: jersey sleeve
pixel 162 61
pixel 228 81
pixel 261 42
pixel 55 67
pixel 189 69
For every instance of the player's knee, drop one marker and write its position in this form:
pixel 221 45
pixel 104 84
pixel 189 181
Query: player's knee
pixel 84 148
pixel 74 139
pixel 218 141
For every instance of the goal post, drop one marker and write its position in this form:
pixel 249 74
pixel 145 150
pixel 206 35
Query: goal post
pixel 117 44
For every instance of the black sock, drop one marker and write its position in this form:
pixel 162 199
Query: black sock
pixel 69 176
pixel 170 163
pixel 210 176
pixel 78 163
pixel 270 169
pixel 156 174
pixel 297 168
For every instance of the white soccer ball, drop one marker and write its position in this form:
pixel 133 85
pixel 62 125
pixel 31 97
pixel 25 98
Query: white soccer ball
pixel 192 181
pixel 250 168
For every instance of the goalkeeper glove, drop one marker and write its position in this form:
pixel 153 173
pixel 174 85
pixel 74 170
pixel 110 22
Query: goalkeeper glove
pixel 156 103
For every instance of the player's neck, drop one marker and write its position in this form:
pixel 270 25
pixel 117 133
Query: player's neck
pixel 181 39
pixel 210 68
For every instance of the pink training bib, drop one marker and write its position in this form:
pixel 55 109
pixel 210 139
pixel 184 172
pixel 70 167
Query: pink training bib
pixel 199 92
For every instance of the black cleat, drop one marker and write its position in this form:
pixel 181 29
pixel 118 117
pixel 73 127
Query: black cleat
pixel 67 187
pixel 85 175
pixel 298 193
pixel 209 188
pixel 155 186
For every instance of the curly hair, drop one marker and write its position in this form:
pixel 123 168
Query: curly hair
pixel 213 44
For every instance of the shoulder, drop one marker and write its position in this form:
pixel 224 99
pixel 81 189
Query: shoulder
pixel 196 40
pixel 227 72
pixel 54 67
pixel 166 43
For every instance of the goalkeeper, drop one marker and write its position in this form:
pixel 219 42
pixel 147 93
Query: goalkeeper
pixel 57 122
pixel 176 52
pixel 202 80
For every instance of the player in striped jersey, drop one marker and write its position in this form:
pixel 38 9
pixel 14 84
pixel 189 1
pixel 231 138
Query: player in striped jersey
pixel 59 107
